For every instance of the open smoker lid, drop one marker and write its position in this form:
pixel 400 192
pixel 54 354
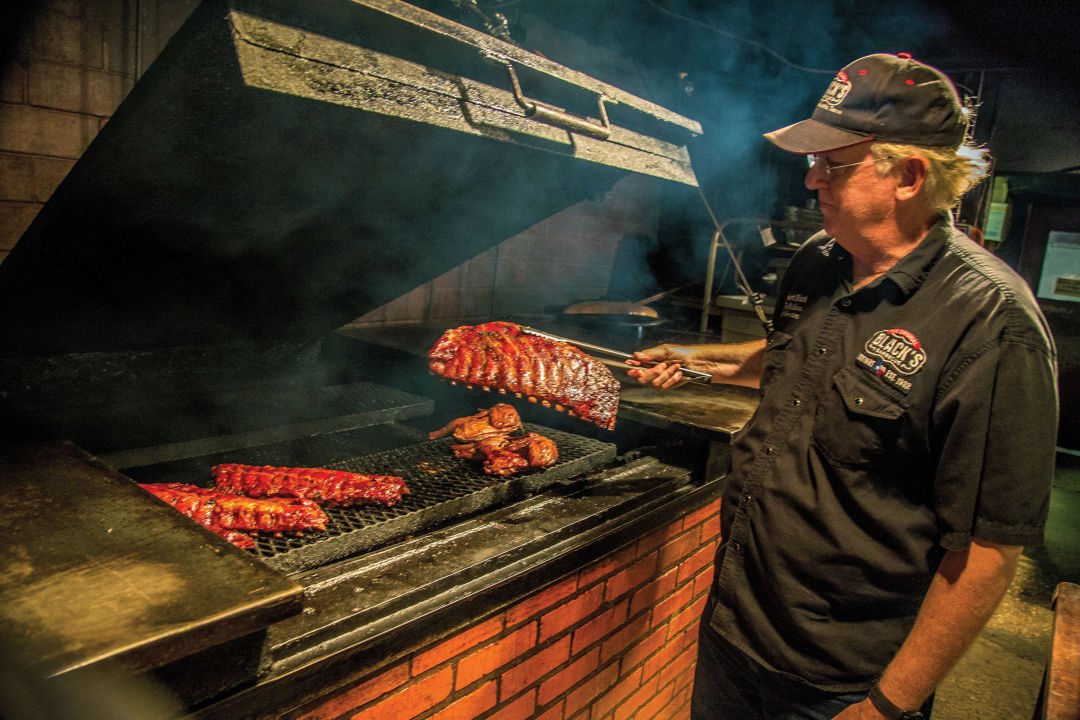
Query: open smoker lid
pixel 286 166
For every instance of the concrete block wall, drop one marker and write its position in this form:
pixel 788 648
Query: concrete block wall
pixel 616 640
pixel 72 63
pixel 566 258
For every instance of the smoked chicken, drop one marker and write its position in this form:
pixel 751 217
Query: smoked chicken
pixel 505 454
pixel 500 419
pixel 488 436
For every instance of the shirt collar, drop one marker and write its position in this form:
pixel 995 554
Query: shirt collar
pixel 910 271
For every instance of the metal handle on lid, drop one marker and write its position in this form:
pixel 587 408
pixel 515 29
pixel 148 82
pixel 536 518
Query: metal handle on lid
pixel 558 117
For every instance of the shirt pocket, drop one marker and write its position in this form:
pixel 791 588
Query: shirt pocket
pixel 858 423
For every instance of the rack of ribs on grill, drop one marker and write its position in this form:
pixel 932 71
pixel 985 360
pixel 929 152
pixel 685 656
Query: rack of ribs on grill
pixel 505 454
pixel 227 514
pixel 326 487
pixel 500 419
pixel 502 356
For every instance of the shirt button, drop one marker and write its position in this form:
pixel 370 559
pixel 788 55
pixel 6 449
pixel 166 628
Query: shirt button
pixel 821 351
pixel 768 451
pixel 858 401
pixel 736 546
pixel 796 402
pixel 846 302
pixel 747 498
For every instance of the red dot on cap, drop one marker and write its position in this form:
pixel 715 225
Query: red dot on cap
pixel 905 56
pixel 909 81
pixel 863 71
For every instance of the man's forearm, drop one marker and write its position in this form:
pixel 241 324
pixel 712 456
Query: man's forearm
pixel 732 363
pixel 962 597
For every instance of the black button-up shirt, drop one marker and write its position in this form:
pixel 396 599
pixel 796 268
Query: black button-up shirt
pixel 896 422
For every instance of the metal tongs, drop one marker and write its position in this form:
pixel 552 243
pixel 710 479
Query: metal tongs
pixel 688 374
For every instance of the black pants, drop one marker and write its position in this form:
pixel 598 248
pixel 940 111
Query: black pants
pixel 728 685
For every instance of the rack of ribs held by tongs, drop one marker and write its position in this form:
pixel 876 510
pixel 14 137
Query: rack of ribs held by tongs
pixel 501 356
pixel 526 362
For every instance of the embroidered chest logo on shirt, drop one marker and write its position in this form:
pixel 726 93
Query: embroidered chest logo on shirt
pixel 794 304
pixel 891 354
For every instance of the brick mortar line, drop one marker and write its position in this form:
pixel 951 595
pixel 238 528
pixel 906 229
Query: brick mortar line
pixel 27 60
pixel 46 108
pixel 680 637
pixel 457 695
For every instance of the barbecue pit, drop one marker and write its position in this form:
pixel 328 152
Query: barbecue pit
pixel 178 303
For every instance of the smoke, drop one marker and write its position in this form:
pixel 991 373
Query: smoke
pixel 740 68
pixel 757 66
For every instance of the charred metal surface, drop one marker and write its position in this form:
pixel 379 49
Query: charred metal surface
pixel 711 413
pixel 141 407
pixel 277 58
pixel 716 410
pixel 364 613
pixel 51 382
pixel 438 42
pixel 211 673
pixel 255 418
pixel 96 569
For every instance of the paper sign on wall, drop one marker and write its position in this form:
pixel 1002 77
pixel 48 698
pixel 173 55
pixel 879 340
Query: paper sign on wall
pixel 1060 278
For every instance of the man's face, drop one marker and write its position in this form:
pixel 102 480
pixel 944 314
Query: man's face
pixel 855 200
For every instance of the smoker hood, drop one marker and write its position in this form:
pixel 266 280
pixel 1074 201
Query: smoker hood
pixel 287 166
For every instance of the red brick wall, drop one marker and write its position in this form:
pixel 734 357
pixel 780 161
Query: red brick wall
pixel 613 641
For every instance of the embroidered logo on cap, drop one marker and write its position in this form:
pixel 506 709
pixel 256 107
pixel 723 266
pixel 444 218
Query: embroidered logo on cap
pixel 891 354
pixel 836 92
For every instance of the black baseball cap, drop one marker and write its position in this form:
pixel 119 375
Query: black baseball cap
pixel 891 98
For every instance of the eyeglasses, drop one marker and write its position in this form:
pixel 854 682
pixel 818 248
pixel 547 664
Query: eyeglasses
pixel 829 168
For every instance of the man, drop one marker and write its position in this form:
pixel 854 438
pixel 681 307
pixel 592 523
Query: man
pixel 903 449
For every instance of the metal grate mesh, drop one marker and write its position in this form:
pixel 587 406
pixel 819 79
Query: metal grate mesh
pixel 442 488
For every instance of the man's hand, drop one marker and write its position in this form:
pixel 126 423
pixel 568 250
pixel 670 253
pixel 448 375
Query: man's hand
pixel 660 366
pixel 731 363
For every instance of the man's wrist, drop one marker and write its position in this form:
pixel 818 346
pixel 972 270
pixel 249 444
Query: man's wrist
pixel 890 709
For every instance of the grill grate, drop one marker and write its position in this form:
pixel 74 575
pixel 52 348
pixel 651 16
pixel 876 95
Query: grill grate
pixel 443 488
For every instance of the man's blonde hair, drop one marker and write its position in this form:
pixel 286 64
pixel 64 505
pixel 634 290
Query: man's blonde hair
pixel 951 174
